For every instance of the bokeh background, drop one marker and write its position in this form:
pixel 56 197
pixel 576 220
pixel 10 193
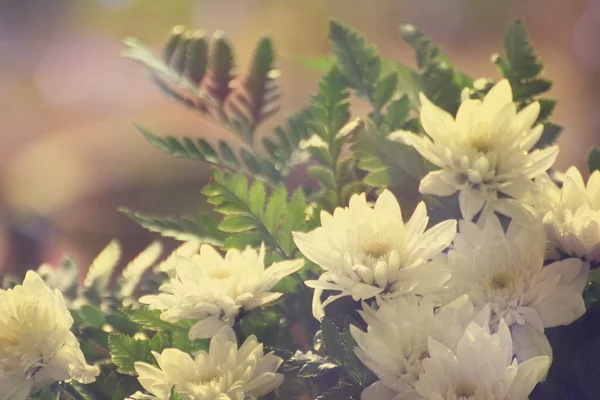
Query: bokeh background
pixel 69 155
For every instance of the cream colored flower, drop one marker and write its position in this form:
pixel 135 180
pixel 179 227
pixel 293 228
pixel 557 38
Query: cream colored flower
pixel 214 289
pixel 395 343
pixel 223 373
pixel 506 271
pixel 480 367
pixel 369 251
pixel 571 215
pixel 484 151
pixel 37 347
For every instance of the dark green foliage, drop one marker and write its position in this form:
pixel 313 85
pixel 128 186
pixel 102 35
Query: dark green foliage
pixel 593 159
pixel 203 229
pixel 519 61
pixel 440 81
pixel 549 135
pixel 358 61
pixel 520 65
pixel 222 155
pixel 339 371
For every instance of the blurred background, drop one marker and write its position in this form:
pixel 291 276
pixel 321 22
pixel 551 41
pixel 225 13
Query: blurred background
pixel 69 155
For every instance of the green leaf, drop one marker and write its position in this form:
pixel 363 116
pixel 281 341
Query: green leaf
pixel 260 86
pixel 197 61
pixel 184 229
pixel 531 88
pixel 332 339
pixel 284 147
pixel 238 223
pixel 201 150
pixel 440 81
pixel 150 319
pixel 549 135
pixel 275 208
pixel 384 90
pixel 125 351
pixel 401 164
pixel 179 72
pixel 409 81
pixel 92 316
pixel 181 341
pixel 358 61
pixel 520 59
pixel 546 108
pixel 397 113
pixel 593 159
pixel 221 67
pixel 256 197
pixel 227 154
pixel 322 175
pixel 330 109
pixel 174 395
pixel 244 214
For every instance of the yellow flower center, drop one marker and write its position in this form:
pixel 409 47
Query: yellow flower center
pixel 502 280
pixel 481 143
pixel 464 391
pixel 221 273
pixel 376 249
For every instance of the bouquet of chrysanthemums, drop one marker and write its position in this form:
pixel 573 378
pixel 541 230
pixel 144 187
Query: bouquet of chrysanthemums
pixel 433 254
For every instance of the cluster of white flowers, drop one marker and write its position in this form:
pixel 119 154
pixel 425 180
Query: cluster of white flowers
pixel 224 372
pixel 37 347
pixel 454 311
pixel 461 315
pixel 212 290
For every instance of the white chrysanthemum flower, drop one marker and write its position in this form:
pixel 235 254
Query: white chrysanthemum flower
pixel 223 373
pixel 395 343
pixel 369 251
pixel 481 367
pixel 506 271
pixel 214 289
pixel 571 215
pixel 37 347
pixel 485 150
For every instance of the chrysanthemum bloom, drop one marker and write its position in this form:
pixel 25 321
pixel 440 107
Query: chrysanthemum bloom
pixel 395 343
pixel 214 289
pixel 480 367
pixel 506 271
pixel 485 150
pixel 369 251
pixel 571 215
pixel 223 373
pixel 37 347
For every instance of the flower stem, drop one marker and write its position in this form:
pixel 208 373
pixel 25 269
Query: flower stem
pixel 73 391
